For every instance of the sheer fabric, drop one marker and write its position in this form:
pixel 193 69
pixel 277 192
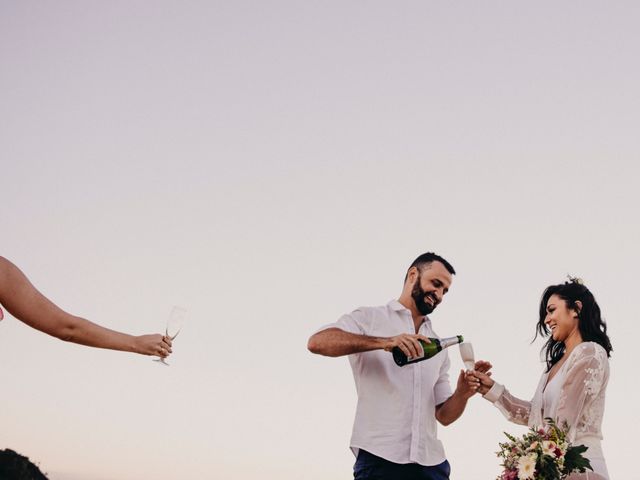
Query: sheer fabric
pixel 586 476
pixel 578 400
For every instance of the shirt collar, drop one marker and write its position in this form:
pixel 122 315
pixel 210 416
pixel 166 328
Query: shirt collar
pixel 396 306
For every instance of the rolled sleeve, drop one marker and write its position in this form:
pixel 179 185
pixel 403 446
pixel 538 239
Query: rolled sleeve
pixel 356 322
pixel 442 388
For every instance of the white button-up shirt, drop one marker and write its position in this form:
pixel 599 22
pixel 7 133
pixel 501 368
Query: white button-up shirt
pixel 395 416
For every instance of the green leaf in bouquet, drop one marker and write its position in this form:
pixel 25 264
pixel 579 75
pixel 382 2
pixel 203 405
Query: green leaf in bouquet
pixel 547 468
pixel 510 437
pixel 574 461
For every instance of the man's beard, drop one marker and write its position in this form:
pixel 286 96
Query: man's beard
pixel 418 295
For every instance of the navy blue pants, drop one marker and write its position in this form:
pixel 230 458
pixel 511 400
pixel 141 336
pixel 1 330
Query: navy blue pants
pixel 370 467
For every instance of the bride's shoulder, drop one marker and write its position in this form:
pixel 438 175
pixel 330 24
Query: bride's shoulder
pixel 590 349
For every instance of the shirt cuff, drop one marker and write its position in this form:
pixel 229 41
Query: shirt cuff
pixel 494 392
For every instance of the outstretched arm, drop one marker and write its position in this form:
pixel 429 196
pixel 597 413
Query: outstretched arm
pixel 27 304
pixel 514 409
pixel 334 342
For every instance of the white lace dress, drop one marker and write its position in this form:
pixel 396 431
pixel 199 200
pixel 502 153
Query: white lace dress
pixel 575 394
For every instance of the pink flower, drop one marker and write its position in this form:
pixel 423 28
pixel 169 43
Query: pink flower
pixel 510 475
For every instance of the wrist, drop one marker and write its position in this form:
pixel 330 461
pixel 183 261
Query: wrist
pixel 384 343
pixel 495 392
pixel 134 345
pixel 467 395
pixel 462 395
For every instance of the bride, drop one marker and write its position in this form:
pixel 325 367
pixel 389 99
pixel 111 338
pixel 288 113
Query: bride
pixel 572 388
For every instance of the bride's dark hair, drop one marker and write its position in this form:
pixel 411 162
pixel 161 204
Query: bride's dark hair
pixel 590 323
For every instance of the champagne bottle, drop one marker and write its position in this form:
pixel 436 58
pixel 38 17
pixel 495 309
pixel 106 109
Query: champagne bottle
pixel 430 349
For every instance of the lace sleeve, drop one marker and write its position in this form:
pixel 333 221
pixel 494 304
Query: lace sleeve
pixel 586 376
pixel 514 409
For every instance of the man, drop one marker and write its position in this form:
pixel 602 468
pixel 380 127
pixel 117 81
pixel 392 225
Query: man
pixel 394 432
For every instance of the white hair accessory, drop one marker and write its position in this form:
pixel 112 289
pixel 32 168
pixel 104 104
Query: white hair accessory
pixel 577 280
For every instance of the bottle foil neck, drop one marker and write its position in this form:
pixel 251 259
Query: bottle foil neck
pixel 449 341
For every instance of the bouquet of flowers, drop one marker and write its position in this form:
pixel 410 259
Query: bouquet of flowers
pixel 542 454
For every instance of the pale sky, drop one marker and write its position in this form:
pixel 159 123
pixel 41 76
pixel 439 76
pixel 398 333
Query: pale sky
pixel 273 165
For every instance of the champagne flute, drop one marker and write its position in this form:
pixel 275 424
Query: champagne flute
pixel 466 352
pixel 174 325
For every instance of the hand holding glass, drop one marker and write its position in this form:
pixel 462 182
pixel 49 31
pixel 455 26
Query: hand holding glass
pixel 466 352
pixel 174 325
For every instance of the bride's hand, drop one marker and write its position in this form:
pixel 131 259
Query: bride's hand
pixel 482 366
pixel 486 382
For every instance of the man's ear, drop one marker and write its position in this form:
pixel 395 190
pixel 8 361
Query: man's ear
pixel 412 274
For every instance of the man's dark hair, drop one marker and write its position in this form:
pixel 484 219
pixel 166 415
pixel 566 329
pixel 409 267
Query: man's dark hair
pixel 427 258
pixel 14 466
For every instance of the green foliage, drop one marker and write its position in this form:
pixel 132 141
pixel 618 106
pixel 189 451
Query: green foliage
pixel 574 461
pixel 542 454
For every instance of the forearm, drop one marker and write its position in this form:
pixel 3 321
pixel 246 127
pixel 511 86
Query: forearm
pixel 514 409
pixel 84 332
pixel 30 306
pixel 334 342
pixel 52 320
pixel 449 411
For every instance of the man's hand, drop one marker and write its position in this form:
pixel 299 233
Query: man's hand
pixel 408 343
pixel 468 384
